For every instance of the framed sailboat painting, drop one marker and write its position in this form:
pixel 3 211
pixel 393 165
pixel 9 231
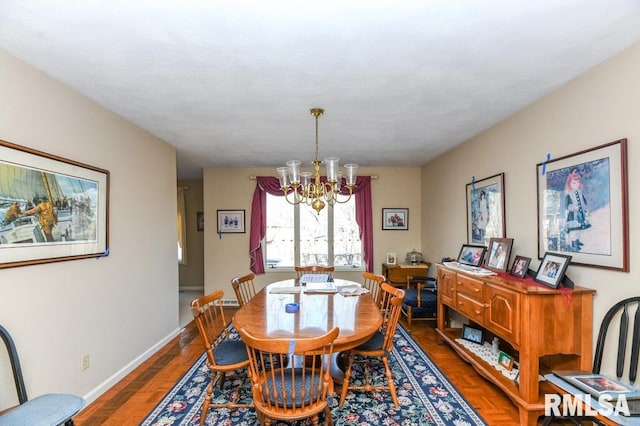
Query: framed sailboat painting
pixel 51 208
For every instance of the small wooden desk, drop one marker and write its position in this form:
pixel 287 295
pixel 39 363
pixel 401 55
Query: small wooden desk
pixel 264 316
pixel 396 275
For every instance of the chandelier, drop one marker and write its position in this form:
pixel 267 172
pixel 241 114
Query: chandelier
pixel 308 188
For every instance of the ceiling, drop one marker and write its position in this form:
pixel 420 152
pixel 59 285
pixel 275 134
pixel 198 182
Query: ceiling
pixel 230 83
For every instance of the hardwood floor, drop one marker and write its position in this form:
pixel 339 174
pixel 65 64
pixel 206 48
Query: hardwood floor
pixel 128 402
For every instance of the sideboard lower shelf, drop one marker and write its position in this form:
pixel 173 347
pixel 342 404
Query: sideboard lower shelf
pixel 541 327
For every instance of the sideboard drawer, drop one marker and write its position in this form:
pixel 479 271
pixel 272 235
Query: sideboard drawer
pixel 472 309
pixel 470 287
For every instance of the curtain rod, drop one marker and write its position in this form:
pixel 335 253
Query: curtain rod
pixel 372 177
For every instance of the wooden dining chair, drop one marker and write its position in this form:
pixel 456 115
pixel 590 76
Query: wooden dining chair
pixel 244 288
pixel 378 347
pixel 291 393
pixel 619 329
pixel 372 282
pixel 224 355
pixel 315 269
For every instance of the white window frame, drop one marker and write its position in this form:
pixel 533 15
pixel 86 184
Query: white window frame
pixel 297 250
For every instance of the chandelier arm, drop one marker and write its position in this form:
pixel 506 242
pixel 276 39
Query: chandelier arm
pixel 345 201
pixel 296 196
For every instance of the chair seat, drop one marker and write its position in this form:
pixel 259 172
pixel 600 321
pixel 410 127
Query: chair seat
pixel 45 410
pixel 428 302
pixel 427 298
pixel 426 309
pixel 230 352
pixel 373 344
pixel 309 392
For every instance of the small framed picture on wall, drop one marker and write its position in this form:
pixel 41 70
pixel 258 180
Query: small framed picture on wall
pixel 231 221
pixel 200 219
pixel 395 219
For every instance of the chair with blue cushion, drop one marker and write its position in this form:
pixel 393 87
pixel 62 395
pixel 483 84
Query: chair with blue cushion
pixel 294 392
pixel 45 410
pixel 377 347
pixel 224 356
pixel 420 300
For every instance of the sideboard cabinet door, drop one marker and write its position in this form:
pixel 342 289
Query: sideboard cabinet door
pixel 503 313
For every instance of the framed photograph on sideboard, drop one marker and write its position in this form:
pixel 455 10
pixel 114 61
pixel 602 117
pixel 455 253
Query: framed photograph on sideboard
pixel 520 266
pixel 552 269
pixel 499 253
pixel 471 254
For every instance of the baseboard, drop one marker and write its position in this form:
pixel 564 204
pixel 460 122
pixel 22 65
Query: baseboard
pixel 96 392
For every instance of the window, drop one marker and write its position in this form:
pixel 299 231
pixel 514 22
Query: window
pixel 297 235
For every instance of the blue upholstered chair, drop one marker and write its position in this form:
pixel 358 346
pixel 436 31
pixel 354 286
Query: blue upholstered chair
pixel 44 410
pixel 420 299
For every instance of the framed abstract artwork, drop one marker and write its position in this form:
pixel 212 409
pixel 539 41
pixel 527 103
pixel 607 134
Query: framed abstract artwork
pixel 51 208
pixel 583 207
pixel 485 210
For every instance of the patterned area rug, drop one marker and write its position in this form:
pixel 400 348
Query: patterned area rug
pixel 425 395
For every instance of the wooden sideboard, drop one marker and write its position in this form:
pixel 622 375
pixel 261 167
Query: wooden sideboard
pixel 397 274
pixel 542 328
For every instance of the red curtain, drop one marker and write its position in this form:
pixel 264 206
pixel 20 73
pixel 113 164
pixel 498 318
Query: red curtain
pixel 271 185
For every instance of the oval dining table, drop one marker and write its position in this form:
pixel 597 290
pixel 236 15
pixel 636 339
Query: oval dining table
pixel 265 315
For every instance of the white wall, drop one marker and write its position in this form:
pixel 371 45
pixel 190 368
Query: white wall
pixel 115 308
pixel 598 107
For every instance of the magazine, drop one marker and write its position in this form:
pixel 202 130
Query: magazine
pixel 315 278
pixel 598 384
pixel 321 288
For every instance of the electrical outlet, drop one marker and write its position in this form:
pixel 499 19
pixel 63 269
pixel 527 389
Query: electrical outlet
pixel 85 362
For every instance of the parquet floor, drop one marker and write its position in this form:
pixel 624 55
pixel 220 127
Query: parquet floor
pixel 129 401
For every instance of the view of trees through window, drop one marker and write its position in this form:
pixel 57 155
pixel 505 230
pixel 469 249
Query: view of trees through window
pixel 308 238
